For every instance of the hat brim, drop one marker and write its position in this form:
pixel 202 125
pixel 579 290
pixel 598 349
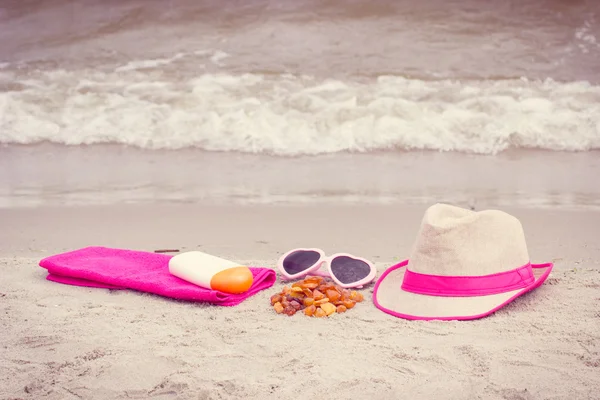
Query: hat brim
pixel 389 297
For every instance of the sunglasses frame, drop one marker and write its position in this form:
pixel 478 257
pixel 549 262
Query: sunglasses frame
pixel 315 269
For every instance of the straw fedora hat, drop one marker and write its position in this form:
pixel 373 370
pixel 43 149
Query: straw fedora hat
pixel 464 265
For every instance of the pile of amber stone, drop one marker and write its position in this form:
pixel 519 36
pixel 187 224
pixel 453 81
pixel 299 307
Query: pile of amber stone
pixel 316 297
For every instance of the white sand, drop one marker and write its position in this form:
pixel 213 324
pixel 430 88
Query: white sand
pixel 62 342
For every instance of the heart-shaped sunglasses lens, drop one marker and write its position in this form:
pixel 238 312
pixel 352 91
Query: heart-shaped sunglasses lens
pixel 299 261
pixel 349 270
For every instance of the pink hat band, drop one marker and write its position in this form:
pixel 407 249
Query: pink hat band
pixel 465 286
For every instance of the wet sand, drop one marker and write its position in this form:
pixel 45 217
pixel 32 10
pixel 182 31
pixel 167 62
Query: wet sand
pixel 55 175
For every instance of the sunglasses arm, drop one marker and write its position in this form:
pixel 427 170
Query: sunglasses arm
pixel 319 273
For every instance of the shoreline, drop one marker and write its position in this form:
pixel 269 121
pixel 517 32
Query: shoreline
pixel 53 175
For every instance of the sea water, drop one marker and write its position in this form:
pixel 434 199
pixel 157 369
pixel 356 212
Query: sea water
pixel 287 79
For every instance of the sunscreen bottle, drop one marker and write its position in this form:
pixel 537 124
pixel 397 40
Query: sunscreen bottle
pixel 211 272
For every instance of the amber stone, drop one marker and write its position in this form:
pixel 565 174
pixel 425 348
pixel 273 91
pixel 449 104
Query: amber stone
pixel 296 295
pixel 319 313
pixel 314 279
pixel 317 295
pixel 349 304
pixel 356 296
pixel 333 295
pixel 322 301
pixel 328 308
pixel 276 298
pixel 289 310
pixel 310 310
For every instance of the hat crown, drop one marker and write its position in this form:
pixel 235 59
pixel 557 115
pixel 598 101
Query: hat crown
pixel 453 241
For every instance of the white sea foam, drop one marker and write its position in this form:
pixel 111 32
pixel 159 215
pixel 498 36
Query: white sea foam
pixel 294 115
pixel 215 57
pixel 143 64
pixel 218 56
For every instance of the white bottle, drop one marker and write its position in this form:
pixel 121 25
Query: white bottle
pixel 211 272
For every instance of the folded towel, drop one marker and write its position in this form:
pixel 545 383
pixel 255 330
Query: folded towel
pixel 109 268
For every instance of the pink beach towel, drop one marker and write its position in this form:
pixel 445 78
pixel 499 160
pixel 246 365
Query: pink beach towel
pixel 109 268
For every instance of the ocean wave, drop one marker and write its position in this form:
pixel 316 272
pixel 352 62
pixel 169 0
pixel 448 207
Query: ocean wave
pixel 140 104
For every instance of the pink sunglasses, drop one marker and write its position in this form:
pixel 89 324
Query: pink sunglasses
pixel 346 270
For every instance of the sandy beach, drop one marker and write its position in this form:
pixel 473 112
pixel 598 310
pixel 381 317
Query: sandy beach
pixel 61 342
pixel 247 129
